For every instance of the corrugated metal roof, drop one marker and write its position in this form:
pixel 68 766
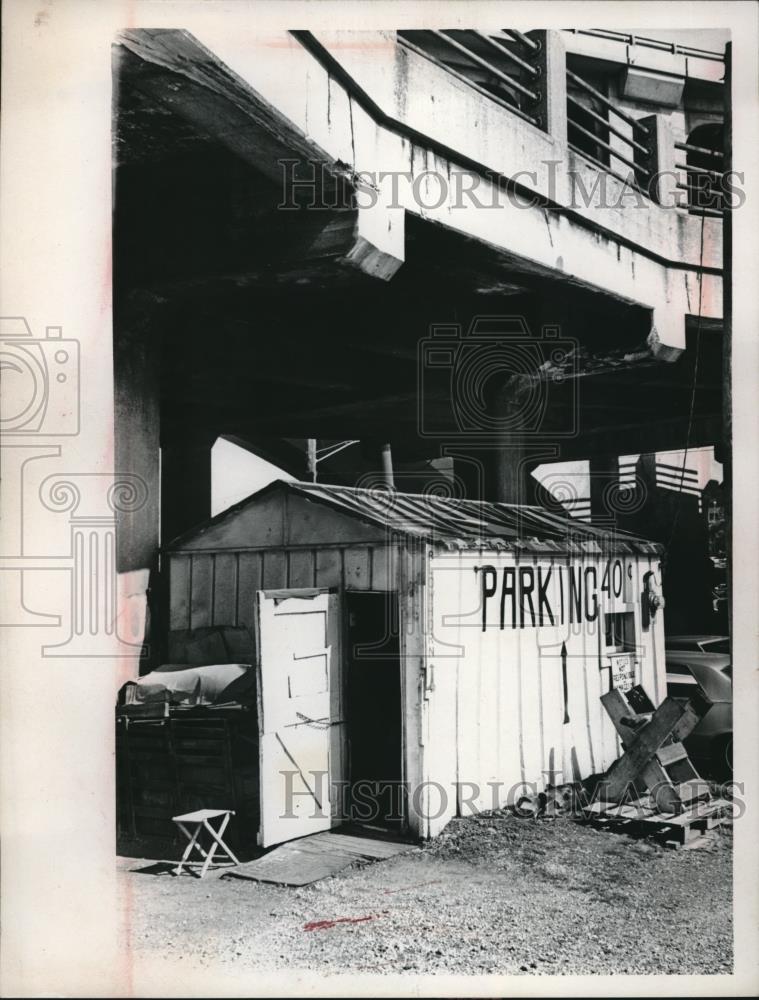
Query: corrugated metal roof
pixel 454 523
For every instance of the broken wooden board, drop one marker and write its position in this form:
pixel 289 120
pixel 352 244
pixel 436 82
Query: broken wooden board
pixel 679 831
pixel 301 862
pixel 654 756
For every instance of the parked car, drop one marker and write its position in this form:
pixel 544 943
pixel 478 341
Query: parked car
pixel 698 643
pixel 700 664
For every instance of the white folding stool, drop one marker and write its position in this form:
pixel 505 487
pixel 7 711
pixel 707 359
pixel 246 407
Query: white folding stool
pixel 192 825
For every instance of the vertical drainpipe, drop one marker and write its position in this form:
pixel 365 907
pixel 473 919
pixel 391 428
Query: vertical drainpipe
pixel 311 459
pixel 387 466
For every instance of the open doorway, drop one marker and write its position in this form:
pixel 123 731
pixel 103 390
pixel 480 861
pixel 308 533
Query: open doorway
pixel 373 691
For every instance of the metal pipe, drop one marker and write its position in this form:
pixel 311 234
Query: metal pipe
pixel 649 43
pixel 699 149
pixel 605 100
pixel 698 170
pixel 532 70
pixel 387 466
pixel 599 118
pixel 503 77
pixel 502 101
pixel 527 42
pixel 610 149
pixel 311 458
pixel 607 169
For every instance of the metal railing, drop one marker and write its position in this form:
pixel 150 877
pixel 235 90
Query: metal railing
pixel 650 43
pixel 668 477
pixel 507 67
pixel 703 184
pixel 590 125
pixel 499 65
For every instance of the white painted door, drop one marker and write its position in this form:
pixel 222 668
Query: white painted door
pixel 296 642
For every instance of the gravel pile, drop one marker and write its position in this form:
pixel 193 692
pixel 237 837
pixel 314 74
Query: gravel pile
pixel 490 895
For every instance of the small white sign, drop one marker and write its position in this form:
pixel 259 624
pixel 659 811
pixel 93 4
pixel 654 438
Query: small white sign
pixel 622 671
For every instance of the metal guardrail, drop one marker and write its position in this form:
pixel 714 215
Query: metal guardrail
pixel 504 67
pixel 669 477
pixel 590 129
pixel 703 183
pixel 650 43
pixel 496 64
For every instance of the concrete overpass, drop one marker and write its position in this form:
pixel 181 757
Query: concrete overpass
pixel 293 217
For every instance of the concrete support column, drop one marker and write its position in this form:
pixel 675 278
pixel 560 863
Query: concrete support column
pixel 136 365
pixel 185 483
pixel 551 84
pixel 661 161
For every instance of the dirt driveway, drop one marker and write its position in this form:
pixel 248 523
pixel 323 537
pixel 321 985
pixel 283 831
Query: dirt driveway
pixel 491 895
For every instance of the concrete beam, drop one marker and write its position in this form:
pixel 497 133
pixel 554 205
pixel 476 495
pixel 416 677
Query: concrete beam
pixel 627 246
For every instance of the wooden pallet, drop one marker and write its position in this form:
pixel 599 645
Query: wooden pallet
pixel 676 830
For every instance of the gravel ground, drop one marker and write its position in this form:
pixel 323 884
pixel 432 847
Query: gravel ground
pixel 490 895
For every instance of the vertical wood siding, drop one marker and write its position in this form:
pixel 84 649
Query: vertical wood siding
pixel 219 588
pixel 503 697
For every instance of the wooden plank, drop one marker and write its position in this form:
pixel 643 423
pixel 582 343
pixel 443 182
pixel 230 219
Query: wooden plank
pixel 619 710
pixel 701 811
pixel 225 589
pixel 309 859
pixel 671 753
pixel 357 574
pixel 248 583
pixel 691 791
pixel 625 812
pixel 329 568
pixel 290 865
pixel 596 807
pixel 640 753
pixel 301 569
pixel 274 571
pixel 201 598
pixel 365 847
pixel 384 571
pixel 179 592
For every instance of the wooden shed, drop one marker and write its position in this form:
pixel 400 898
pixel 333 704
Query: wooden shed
pixel 419 657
